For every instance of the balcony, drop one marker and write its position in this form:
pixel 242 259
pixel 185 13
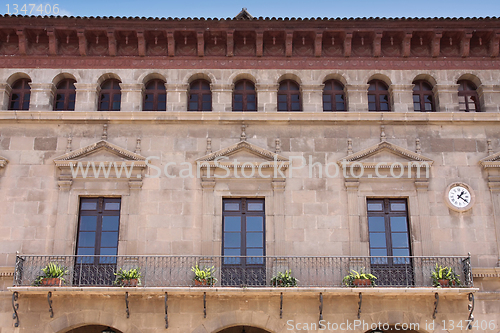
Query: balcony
pixel 175 271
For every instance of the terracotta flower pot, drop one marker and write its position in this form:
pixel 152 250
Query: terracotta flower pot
pixel 200 283
pixel 444 283
pixel 51 282
pixel 362 282
pixel 130 283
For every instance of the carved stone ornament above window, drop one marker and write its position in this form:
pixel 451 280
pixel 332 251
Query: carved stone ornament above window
pixel 100 161
pixel 3 161
pixel 238 160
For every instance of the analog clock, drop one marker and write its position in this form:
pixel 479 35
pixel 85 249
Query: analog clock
pixel 459 197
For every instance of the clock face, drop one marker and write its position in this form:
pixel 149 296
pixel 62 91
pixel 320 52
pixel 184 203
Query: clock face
pixel 459 196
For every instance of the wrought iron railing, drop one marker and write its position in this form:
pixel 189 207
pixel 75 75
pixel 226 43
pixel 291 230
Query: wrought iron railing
pixel 175 271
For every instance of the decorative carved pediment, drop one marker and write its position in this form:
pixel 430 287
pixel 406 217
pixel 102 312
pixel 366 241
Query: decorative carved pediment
pixel 243 155
pixel 492 161
pixel 3 161
pixel 100 160
pixel 388 156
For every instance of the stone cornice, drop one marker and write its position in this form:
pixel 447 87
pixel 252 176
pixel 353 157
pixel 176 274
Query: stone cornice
pixel 486 272
pixel 492 161
pixel 257 117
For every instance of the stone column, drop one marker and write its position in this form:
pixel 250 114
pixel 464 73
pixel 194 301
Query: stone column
pixel 494 185
pixel 131 96
pixel 489 97
pixel 267 97
pixel 207 229
pixel 177 96
pixel 401 97
pixel 222 97
pixel 357 97
pixel 86 96
pixel 5 90
pixel 279 217
pixel 312 97
pixel 353 218
pixel 42 96
pixel 446 96
pixel 424 218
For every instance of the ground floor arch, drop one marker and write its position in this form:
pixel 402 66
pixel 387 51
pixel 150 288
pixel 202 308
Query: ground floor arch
pixel 243 329
pixel 94 329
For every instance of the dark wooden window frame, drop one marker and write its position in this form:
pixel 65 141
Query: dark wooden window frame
pixel 66 89
pixel 245 92
pixel 24 92
pixel 381 89
pixel 196 88
pixel 157 91
pixel 112 92
pixel 289 96
pixel 468 93
pixel 421 90
pixel 329 90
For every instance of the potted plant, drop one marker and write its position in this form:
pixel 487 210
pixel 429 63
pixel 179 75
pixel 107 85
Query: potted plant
pixel 52 275
pixel 128 278
pixel 444 277
pixel 204 276
pixel 284 280
pixel 361 279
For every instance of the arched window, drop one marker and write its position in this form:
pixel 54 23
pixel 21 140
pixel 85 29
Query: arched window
pixel 378 96
pixel 200 96
pixel 244 96
pixel 20 95
pixel 110 97
pixel 65 95
pixel 423 99
pixel 289 96
pixel 155 96
pixel 334 96
pixel 468 100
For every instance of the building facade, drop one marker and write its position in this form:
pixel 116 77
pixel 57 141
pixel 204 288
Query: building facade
pixel 258 146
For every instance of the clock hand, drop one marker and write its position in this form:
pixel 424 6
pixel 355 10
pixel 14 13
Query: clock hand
pixel 460 197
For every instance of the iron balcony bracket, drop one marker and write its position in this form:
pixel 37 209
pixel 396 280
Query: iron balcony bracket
pixel 281 306
pixel 204 305
pixel 49 300
pixel 436 302
pixel 471 310
pixel 166 310
pixel 359 305
pixel 320 307
pixel 126 305
pixel 15 307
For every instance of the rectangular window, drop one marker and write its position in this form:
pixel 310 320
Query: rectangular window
pixel 97 241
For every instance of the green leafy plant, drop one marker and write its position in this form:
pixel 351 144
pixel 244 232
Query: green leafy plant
pixel 348 280
pixel 284 279
pixel 123 276
pixel 444 274
pixel 204 275
pixel 52 271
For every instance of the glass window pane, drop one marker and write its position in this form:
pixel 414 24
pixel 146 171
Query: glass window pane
pixel 251 107
pixel 109 239
pixel 232 206
pixel 327 106
pixel 282 107
pixel 281 98
pixel 193 106
pixel 384 107
pixel 376 223
pixel 116 105
pixel 206 106
pixel 371 98
pixel 401 253
pixel 105 97
pixel 255 223
pixel 384 98
pixel 112 206
pixel 148 106
pixel 428 98
pixel 398 207
pixel 294 86
pixel 416 98
pixel 238 106
pixel 416 106
pixel 378 252
pixel 162 106
pixel 232 223
pixel 255 239
pixel 193 98
pixel 110 223
pixel 372 107
pixel 162 98
pixel 88 223
pixel 238 98
pixel 295 106
pixel 206 98
pixel 339 98
pixel 86 239
pixel 327 98
pixel 377 240
pixel 255 206
pixel 377 207
pixel 399 239
pixel 250 98
pixel 86 252
pixel 295 98
pixel 232 252
pixel 340 106
pixel 232 239
pixel 428 107
pixel 398 223
pixel 89 205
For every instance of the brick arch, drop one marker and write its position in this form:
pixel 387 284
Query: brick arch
pixel 68 321
pixel 229 319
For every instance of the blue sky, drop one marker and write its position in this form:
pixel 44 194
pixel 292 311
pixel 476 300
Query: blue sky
pixel 267 8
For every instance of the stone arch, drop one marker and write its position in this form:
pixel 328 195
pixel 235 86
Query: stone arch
pixel 229 319
pixel 146 77
pixel 382 77
pixel 467 76
pixel 235 77
pixel 201 75
pixel 16 76
pixel 426 77
pixel 61 76
pixel 69 321
pixel 107 76
pixel 335 76
pixel 290 76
